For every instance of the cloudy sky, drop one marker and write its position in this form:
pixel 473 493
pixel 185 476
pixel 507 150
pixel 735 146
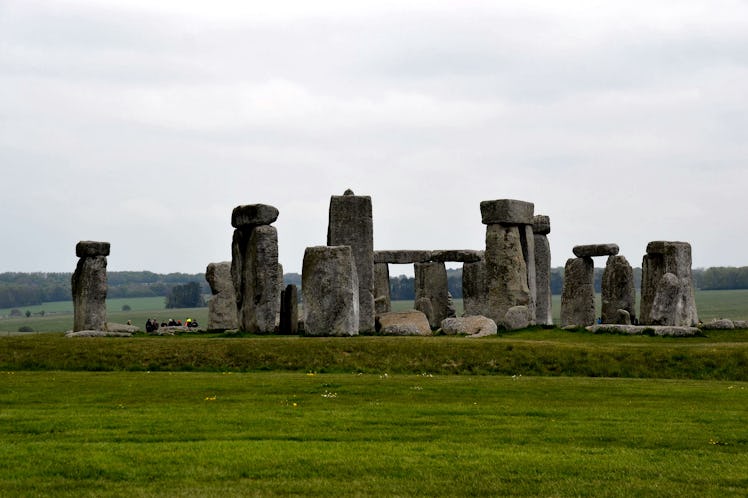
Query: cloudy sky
pixel 144 123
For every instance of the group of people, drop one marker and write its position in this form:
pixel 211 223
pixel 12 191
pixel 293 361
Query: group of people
pixel 152 325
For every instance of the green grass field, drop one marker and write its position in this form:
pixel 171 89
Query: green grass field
pixel 145 434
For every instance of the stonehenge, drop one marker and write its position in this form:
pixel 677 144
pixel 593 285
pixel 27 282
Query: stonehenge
pixel 254 267
pixel 89 286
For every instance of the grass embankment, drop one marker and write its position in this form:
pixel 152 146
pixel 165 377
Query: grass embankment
pixel 553 352
pixel 196 434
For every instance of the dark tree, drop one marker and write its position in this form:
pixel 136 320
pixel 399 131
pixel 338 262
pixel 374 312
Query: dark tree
pixel 185 296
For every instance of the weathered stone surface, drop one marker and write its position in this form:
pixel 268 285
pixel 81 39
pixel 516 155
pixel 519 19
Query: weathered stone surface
pixel 222 311
pixel 424 305
pixel 543 299
pixel 644 329
pixel 618 289
pixel 592 250
pixel 402 256
pixel 97 333
pixel 89 286
pixel 252 215
pixel 329 285
pixel 740 324
pixel 473 326
pixel 541 224
pixel 474 288
pixel 382 303
pixel 517 317
pixel 254 271
pixel 121 327
pixel 527 239
pixel 289 311
pixel 410 322
pixel 456 255
pixel 351 224
pixel 721 324
pixel 506 271
pixel 622 317
pixel 578 294
pixel 91 249
pixel 507 212
pixel 431 284
pixel 667 300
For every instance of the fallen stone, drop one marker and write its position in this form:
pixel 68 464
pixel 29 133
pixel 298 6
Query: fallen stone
pixel 411 322
pixel 91 249
pixel 517 317
pixel 252 215
pixel 593 250
pixel 121 327
pixel 97 333
pixel 644 330
pixel 740 324
pixel 507 212
pixel 721 324
pixel 622 317
pixel 472 326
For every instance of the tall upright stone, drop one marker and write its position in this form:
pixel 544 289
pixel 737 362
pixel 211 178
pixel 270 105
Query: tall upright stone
pixel 510 258
pixel 89 286
pixel 432 292
pixel 254 267
pixel 541 227
pixel 329 285
pixel 618 290
pixel 475 289
pixel 351 224
pixel 382 297
pixel 578 294
pixel 222 313
pixel 289 311
pixel 667 290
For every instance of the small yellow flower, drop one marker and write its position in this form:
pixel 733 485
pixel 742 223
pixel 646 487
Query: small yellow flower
pixel 210 398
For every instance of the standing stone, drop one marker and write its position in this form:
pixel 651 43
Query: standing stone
pixel 474 289
pixel 254 267
pixel 618 290
pixel 506 271
pixel 382 300
pixel 289 311
pixel 222 306
pixel 329 285
pixel 528 252
pixel 351 224
pixel 667 292
pixel 541 227
pixel 431 285
pixel 89 286
pixel 578 294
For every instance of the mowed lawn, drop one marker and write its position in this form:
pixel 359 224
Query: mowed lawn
pixel 285 434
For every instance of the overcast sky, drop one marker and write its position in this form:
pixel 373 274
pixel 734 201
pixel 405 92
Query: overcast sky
pixel 145 123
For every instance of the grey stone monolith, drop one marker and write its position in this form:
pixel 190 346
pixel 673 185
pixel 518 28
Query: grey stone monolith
pixel 351 224
pixel 329 285
pixel 382 301
pixel 506 271
pixel 578 294
pixel 222 314
pixel 289 311
pixel 527 239
pixel 541 227
pixel 667 289
pixel 618 290
pixel 507 212
pixel 89 286
pixel 474 289
pixel 255 271
pixel 431 285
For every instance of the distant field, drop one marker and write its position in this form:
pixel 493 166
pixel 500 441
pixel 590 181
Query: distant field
pixel 58 317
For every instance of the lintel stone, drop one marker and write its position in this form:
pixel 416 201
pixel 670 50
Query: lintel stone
pixel 91 249
pixel 507 212
pixel 402 257
pixel 456 255
pixel 592 250
pixel 253 215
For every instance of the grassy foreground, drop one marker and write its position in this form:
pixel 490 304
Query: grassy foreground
pixel 212 434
